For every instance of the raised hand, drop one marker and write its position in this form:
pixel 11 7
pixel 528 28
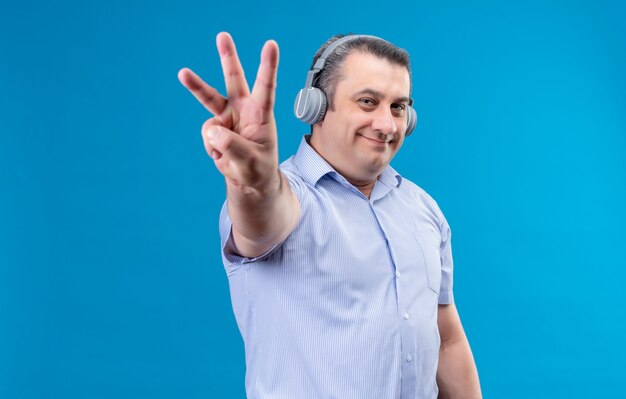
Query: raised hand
pixel 241 137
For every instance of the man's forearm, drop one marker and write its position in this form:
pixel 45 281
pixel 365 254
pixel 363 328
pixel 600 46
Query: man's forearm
pixel 262 218
pixel 457 376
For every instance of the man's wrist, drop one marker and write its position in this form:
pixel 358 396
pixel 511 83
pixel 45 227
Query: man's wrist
pixel 265 190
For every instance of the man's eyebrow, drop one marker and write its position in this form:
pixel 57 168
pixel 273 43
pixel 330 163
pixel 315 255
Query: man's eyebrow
pixel 378 94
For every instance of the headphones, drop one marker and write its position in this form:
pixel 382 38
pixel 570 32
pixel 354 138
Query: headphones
pixel 311 102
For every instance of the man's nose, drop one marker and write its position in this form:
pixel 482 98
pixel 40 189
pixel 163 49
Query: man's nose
pixel 384 122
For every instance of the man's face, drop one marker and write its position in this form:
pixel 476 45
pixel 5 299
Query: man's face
pixel 370 107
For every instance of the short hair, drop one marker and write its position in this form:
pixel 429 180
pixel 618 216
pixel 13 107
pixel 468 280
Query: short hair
pixel 327 79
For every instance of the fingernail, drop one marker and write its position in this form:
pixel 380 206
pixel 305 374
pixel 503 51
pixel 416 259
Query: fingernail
pixel 212 133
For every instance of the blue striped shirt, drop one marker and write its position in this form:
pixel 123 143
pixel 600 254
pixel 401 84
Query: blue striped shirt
pixel 346 306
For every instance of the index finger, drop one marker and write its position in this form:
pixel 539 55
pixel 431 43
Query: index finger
pixel 264 90
pixel 236 85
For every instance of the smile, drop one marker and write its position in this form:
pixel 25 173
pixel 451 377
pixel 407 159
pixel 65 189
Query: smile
pixel 373 140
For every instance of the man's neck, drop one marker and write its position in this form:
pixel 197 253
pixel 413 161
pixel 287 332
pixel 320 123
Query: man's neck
pixel 365 187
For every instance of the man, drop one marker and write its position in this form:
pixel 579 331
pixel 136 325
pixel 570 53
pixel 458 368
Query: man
pixel 340 270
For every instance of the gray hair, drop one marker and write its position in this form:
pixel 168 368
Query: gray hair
pixel 327 79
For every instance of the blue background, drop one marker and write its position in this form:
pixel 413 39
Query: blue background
pixel 111 283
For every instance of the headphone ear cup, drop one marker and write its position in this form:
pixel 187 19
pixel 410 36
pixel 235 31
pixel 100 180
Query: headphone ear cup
pixel 411 120
pixel 310 105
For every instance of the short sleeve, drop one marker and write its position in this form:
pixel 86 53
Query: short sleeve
pixel 231 259
pixel 445 249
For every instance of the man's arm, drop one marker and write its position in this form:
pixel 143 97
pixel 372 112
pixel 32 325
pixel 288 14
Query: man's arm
pixel 242 141
pixel 457 376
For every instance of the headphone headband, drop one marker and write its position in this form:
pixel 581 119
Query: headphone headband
pixel 319 64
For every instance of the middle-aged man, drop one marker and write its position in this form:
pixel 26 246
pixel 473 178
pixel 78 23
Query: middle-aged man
pixel 340 270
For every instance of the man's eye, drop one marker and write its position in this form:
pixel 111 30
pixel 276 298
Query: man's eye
pixel 367 101
pixel 398 109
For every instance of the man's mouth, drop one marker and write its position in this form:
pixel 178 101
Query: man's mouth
pixel 373 139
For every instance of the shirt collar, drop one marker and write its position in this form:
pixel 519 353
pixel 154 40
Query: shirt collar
pixel 390 177
pixel 313 167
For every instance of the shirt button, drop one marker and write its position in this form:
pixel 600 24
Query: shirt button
pixel 406 316
pixel 409 358
pixel 397 274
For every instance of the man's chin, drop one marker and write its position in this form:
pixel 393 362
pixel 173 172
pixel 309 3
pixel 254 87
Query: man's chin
pixel 373 166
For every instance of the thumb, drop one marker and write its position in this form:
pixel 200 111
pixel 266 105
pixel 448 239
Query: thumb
pixel 222 142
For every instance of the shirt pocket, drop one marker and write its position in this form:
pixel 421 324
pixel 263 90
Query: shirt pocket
pixel 432 263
